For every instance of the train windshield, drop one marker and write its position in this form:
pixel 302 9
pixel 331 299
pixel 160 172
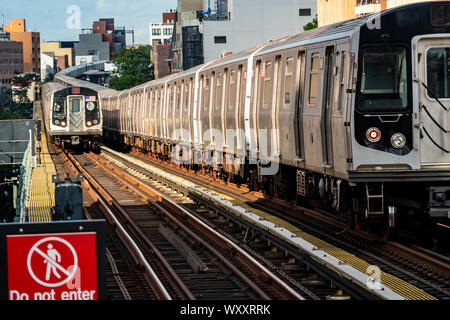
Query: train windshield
pixel 438 72
pixel 59 106
pixel 383 79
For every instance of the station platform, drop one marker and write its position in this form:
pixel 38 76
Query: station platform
pixel 42 190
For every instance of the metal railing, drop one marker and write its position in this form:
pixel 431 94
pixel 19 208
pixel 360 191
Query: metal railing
pixel 25 183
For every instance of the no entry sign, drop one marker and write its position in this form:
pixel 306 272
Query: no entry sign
pixel 53 265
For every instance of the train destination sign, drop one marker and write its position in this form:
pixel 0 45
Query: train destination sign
pixel 53 265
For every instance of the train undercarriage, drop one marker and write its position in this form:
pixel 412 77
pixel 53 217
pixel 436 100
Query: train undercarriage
pixel 379 207
pixel 83 142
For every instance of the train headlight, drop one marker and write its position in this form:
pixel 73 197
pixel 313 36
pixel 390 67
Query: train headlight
pixel 56 121
pixel 63 123
pixel 373 135
pixel 95 121
pixel 89 123
pixel 398 140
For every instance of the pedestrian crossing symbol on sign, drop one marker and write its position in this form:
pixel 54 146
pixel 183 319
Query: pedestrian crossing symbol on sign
pixel 60 260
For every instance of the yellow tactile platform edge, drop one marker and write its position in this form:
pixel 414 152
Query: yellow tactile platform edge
pixel 397 285
pixel 401 287
pixel 42 194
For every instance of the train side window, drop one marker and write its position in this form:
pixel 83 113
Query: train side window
pixel 299 77
pixel 314 79
pixel 241 77
pixel 257 84
pixel 232 92
pixel 178 103
pixel 288 81
pixel 267 84
pixel 219 90
pixel 341 83
pixel 192 88
pixel 186 97
pixel 169 90
pixel 206 95
pixel 153 98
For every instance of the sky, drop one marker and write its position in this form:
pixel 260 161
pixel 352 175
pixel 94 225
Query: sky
pixel 57 20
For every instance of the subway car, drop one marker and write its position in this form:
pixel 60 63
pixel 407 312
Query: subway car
pixel 72 115
pixel 354 114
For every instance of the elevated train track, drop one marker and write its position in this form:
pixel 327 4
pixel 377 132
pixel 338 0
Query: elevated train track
pixel 430 277
pixel 353 144
pixel 416 264
pixel 132 210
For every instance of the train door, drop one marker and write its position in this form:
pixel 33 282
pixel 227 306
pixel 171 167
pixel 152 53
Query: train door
pixel 434 100
pixel 264 111
pixel 76 113
pixel 300 93
pixel 286 110
pixel 230 123
pixel 312 110
pixel 190 110
pixel 216 111
pixel 339 109
pixel 327 103
pixel 274 135
pixel 239 113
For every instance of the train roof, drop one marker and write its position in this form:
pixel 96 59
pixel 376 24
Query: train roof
pixel 51 87
pixel 338 30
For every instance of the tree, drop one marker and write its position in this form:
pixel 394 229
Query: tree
pixel 133 67
pixel 311 25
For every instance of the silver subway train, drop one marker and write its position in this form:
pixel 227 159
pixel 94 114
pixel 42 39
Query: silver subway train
pixel 72 115
pixel 355 114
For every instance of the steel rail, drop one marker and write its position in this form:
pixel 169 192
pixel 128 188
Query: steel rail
pixel 160 290
pixel 167 205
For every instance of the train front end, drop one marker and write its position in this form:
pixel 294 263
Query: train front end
pixel 76 118
pixel 401 118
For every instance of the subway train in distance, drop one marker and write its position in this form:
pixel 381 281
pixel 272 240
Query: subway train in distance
pixel 72 115
pixel 354 114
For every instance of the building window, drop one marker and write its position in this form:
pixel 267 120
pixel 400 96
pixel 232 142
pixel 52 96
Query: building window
pixel 167 41
pixel 156 32
pixel 305 12
pixel 167 32
pixel 221 39
pixel 156 41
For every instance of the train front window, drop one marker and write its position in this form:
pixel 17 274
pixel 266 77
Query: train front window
pixel 383 79
pixel 76 105
pixel 438 72
pixel 59 106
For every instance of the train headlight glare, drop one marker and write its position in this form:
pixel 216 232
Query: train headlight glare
pixel 89 123
pixel 63 123
pixel 373 135
pixel 398 140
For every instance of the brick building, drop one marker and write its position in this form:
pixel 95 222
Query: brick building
pixel 11 61
pixel 160 56
pixel 31 44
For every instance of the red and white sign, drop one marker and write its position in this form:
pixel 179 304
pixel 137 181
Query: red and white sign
pixel 91 98
pixel 52 266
